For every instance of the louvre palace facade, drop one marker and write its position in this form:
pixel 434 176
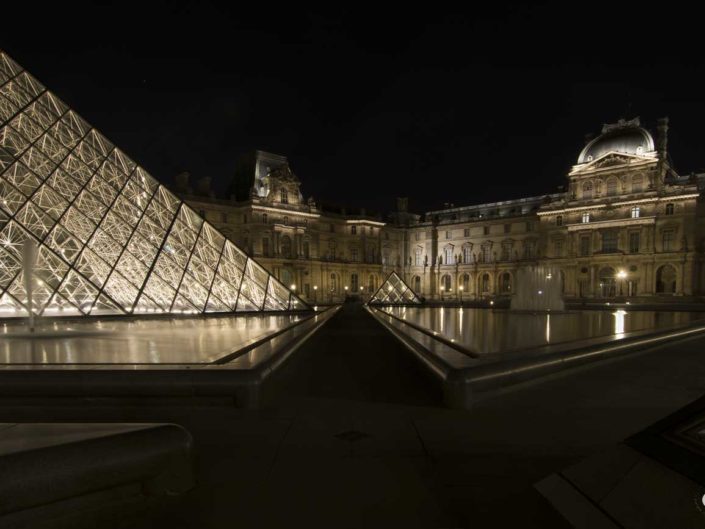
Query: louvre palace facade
pixel 626 226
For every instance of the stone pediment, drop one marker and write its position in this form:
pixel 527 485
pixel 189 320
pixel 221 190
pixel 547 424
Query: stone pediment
pixel 611 159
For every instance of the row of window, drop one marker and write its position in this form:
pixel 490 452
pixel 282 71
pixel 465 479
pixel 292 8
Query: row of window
pixel 634 212
pixel 610 243
pixel 612 187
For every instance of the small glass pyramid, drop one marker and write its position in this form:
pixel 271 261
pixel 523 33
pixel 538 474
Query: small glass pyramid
pixel 110 238
pixel 394 291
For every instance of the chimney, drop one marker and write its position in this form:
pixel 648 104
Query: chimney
pixel 662 138
pixel 203 186
pixel 181 182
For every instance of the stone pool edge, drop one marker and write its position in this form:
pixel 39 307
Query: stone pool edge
pixel 466 380
pixel 240 379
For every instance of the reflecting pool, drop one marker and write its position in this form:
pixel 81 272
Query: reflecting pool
pixel 492 330
pixel 150 341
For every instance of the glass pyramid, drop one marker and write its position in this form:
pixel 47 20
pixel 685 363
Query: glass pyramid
pixel 110 239
pixel 394 291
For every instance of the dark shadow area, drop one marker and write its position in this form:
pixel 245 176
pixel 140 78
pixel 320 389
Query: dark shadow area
pixel 354 358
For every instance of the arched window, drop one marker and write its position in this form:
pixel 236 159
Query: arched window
pixel 484 284
pixel 465 282
pixel 285 246
pixel 446 283
pixel 505 283
pixel 587 190
pixel 284 196
pixel 608 282
pixel 612 187
pixel 666 280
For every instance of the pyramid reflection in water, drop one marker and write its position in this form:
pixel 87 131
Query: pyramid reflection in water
pixel 394 291
pixel 111 239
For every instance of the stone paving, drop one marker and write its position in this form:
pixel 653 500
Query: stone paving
pixel 353 434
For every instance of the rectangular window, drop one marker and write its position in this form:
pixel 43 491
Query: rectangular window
pixel 528 250
pixel 559 220
pixel 485 255
pixel 506 251
pixel 668 241
pixel 467 254
pixel 584 245
pixel 609 241
pixel 264 218
pixel 558 248
pixel 353 230
pixel 486 230
pixel 635 212
pixel 417 236
pixel 353 255
pixel 634 242
pixel 669 209
pixel 418 258
pixel 466 232
pixel 507 228
pixel 449 235
pixel 586 217
pixel 529 226
pixel 265 247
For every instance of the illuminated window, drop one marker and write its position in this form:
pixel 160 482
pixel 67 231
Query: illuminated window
pixel 418 257
pixel 635 212
pixel 586 217
pixel 448 258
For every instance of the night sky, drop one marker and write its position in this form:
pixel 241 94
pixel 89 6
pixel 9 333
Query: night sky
pixel 370 103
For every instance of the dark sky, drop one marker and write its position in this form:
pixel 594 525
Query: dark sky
pixel 369 103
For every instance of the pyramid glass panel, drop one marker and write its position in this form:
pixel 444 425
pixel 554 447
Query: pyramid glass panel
pixel 394 291
pixel 110 238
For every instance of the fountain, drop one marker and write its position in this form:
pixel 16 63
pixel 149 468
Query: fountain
pixel 538 289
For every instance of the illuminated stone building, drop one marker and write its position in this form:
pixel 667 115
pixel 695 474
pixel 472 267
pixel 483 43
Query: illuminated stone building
pixel 627 225
pixel 624 225
pixel 323 254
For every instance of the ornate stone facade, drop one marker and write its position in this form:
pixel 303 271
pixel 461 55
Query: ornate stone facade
pixel 626 225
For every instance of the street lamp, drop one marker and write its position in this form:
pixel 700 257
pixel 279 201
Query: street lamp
pixel 292 287
pixel 621 275
pixel 315 290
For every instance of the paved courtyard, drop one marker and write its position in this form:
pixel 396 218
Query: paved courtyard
pixel 353 434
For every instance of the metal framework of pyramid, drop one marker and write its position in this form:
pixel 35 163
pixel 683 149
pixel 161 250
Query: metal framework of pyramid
pixel 110 238
pixel 394 291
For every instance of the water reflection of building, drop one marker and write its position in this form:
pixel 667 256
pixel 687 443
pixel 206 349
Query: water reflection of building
pixel 626 224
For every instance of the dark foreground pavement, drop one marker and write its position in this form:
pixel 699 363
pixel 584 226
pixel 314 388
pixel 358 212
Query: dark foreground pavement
pixel 355 436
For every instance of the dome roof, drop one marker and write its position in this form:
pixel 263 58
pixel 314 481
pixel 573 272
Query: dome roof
pixel 630 139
